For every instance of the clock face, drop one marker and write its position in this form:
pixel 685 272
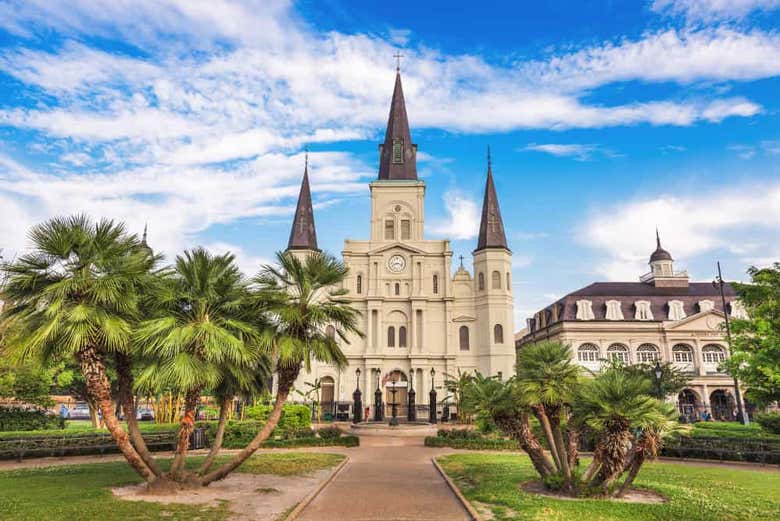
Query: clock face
pixel 396 263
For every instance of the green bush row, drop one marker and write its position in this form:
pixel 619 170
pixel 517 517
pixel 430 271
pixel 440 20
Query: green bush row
pixel 472 443
pixel 769 421
pixel 145 427
pixel 295 419
pixel 19 419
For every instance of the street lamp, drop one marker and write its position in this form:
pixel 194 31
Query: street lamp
pixel 432 402
pixel 658 372
pixel 357 413
pixel 719 283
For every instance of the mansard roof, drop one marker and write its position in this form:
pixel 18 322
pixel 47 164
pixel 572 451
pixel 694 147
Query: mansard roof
pixel 491 229
pixel 303 235
pixel 398 130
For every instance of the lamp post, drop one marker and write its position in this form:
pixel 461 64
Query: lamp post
pixel 411 413
pixel 658 372
pixel 357 413
pixel 432 404
pixel 378 412
pixel 719 283
pixel 394 415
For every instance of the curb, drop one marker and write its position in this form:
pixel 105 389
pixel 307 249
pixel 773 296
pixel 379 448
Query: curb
pixel 455 490
pixel 308 499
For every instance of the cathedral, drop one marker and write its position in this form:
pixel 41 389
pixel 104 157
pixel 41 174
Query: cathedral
pixel 421 323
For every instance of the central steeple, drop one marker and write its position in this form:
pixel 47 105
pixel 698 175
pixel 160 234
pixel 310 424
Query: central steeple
pixel 491 229
pixel 397 155
pixel 303 235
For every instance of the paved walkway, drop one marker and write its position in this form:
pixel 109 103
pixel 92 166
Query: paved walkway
pixel 387 479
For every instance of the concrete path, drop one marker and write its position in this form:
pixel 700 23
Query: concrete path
pixel 387 479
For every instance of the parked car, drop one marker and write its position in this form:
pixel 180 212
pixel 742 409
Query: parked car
pixel 144 414
pixel 80 411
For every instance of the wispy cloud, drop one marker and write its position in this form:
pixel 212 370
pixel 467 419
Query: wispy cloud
pixel 711 10
pixel 580 152
pixel 463 217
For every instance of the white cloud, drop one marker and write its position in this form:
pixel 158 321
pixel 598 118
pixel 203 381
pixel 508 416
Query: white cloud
pixel 710 10
pixel 743 151
pixel 690 224
pixel 577 151
pixel 462 220
pixel 249 264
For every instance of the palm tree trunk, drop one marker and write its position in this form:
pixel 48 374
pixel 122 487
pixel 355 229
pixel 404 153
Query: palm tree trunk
pixel 636 464
pixel 287 377
pixel 544 421
pixel 186 426
pixel 560 445
pixel 94 370
pixel 127 398
pixel 224 409
pixel 573 447
pixel 519 429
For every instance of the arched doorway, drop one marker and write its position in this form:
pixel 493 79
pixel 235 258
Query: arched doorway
pixel 688 404
pixel 327 397
pixel 722 405
pixel 401 396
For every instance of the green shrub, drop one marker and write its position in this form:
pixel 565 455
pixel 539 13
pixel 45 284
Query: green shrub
pixel 294 420
pixel 472 443
pixel 19 419
pixel 770 421
pixel 330 433
pixel 458 434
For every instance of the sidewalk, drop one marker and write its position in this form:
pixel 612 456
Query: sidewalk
pixel 387 479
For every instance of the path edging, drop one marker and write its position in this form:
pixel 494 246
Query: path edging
pixel 308 499
pixel 475 516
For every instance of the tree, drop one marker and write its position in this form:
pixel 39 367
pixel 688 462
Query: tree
pixel 201 329
pixel 673 379
pixel 303 297
pixel 755 341
pixel 75 296
pixel 455 385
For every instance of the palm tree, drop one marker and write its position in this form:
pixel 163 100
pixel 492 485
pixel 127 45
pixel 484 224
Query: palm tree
pixel 455 384
pixel 202 328
pixel 304 297
pixel 613 404
pixel 504 404
pixel 547 378
pixel 76 296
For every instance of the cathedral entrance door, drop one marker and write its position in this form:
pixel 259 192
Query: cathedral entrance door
pixel 401 394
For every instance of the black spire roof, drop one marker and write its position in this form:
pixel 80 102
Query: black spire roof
pixel 659 253
pixel 398 156
pixel 303 235
pixel 491 229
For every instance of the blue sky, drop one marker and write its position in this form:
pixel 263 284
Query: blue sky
pixel 606 119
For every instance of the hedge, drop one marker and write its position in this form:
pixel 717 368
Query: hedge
pixel 756 450
pixel 20 419
pixel 472 443
pixel 295 418
pixel 770 421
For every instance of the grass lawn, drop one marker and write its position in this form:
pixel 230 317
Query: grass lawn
pixel 694 493
pixel 82 491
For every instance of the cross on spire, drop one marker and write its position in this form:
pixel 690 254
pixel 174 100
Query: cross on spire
pixel 398 57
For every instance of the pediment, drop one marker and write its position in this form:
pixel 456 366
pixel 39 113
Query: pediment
pixel 464 318
pixel 710 320
pixel 395 245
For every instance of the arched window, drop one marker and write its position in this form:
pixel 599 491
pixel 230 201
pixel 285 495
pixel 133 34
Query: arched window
pixel 588 353
pixel 463 335
pixel 481 279
pixel 646 354
pixel 402 336
pixel 498 334
pixel 397 289
pixel 330 331
pixel 435 284
pixel 360 284
pixel 495 280
pixel 713 354
pixel 508 281
pixel 682 353
pixel 618 352
pixel 391 336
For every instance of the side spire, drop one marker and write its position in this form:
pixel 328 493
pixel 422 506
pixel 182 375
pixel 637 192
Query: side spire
pixel 491 229
pixel 398 155
pixel 303 235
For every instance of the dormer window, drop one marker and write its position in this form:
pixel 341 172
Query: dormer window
pixel 613 310
pixel 398 150
pixel 706 305
pixel 643 311
pixel 584 310
pixel 676 311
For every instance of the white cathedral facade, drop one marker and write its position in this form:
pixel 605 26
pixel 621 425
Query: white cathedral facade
pixel 415 314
